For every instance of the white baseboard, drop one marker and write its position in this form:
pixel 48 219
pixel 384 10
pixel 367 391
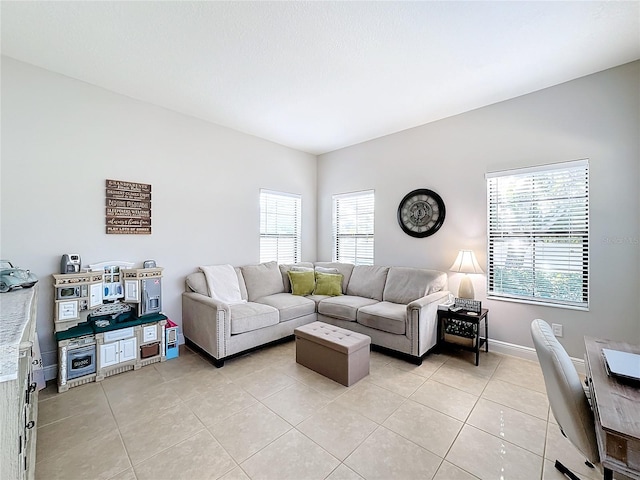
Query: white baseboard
pixel 528 353
pixel 51 371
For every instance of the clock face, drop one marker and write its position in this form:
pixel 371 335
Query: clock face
pixel 421 213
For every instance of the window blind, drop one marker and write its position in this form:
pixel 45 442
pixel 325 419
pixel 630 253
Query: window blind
pixel 538 234
pixel 353 227
pixel 280 227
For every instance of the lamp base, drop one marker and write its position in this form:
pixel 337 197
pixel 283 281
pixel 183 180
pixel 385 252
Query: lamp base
pixel 465 290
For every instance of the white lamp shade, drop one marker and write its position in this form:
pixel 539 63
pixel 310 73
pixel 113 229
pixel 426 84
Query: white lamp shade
pixel 466 262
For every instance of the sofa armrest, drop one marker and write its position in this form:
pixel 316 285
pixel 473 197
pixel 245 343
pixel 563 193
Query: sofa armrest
pixel 206 322
pixel 422 321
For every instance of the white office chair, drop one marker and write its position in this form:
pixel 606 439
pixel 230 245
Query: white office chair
pixel 568 400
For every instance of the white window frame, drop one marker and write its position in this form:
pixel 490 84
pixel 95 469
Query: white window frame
pixel 280 227
pixel 356 228
pixel 538 231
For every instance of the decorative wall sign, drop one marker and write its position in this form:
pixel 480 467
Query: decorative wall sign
pixel 128 208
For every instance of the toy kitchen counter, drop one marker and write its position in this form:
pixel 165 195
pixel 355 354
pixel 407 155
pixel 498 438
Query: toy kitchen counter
pixel 107 320
pixel 89 353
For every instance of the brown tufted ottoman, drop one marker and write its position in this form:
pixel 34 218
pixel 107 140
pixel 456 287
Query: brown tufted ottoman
pixel 337 353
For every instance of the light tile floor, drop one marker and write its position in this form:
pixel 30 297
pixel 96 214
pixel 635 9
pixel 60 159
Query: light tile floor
pixel 262 416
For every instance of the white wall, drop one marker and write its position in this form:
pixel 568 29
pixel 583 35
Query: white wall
pixel 61 139
pixel 595 117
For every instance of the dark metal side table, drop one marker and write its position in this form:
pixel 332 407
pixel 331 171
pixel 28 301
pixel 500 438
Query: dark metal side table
pixel 469 323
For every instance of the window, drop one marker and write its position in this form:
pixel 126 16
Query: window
pixel 280 227
pixel 538 228
pixel 353 227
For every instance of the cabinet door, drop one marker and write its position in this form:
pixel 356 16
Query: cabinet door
pixel 131 291
pixel 95 295
pixel 128 349
pixel 109 354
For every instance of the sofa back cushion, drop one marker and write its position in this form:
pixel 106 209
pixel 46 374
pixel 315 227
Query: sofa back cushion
pixel 367 281
pixel 262 280
pixel 344 268
pixel 243 287
pixel 405 284
pixel 195 282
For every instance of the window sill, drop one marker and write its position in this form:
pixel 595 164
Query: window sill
pixel 538 303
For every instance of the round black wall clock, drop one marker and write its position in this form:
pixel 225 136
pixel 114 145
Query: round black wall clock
pixel 421 213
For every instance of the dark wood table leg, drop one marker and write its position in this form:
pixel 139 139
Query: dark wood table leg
pixel 478 345
pixel 486 333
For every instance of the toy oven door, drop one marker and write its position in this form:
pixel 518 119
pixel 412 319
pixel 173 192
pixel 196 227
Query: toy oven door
pixel 81 361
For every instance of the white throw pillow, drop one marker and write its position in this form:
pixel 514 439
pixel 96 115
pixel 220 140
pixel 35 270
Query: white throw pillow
pixel 331 270
pixel 222 283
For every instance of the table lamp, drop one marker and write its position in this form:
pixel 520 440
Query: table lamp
pixel 466 263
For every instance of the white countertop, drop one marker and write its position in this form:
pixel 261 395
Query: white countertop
pixel 14 317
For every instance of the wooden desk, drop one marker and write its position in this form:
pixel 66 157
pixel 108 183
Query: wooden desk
pixel 616 407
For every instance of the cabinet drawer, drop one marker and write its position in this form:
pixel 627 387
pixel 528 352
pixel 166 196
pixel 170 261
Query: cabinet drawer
pixel 149 333
pixel 114 335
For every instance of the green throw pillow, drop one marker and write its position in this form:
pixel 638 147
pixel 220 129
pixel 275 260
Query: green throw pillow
pixel 328 284
pixel 302 283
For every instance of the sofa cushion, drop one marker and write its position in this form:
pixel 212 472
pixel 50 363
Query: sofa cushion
pixel 385 316
pixel 290 306
pixel 246 317
pixel 367 281
pixel 405 284
pixel 344 268
pixel 285 267
pixel 302 283
pixel 262 280
pixel 317 298
pixel 197 283
pixel 243 287
pixel 328 284
pixel 344 307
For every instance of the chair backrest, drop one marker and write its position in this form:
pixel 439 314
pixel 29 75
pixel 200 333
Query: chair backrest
pixel 568 400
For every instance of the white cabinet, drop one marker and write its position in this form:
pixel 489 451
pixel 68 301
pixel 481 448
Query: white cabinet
pixel 74 295
pixel 128 349
pixel 95 295
pixel 117 352
pixel 131 291
pixel 109 354
pixel 18 390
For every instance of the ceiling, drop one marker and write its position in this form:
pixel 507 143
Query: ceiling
pixel 319 76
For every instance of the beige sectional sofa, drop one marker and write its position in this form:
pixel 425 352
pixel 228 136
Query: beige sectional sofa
pixel 395 306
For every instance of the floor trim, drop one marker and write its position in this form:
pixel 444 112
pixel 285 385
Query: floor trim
pixel 528 353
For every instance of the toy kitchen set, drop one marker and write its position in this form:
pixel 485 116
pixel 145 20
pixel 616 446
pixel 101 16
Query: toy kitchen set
pixel 107 319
